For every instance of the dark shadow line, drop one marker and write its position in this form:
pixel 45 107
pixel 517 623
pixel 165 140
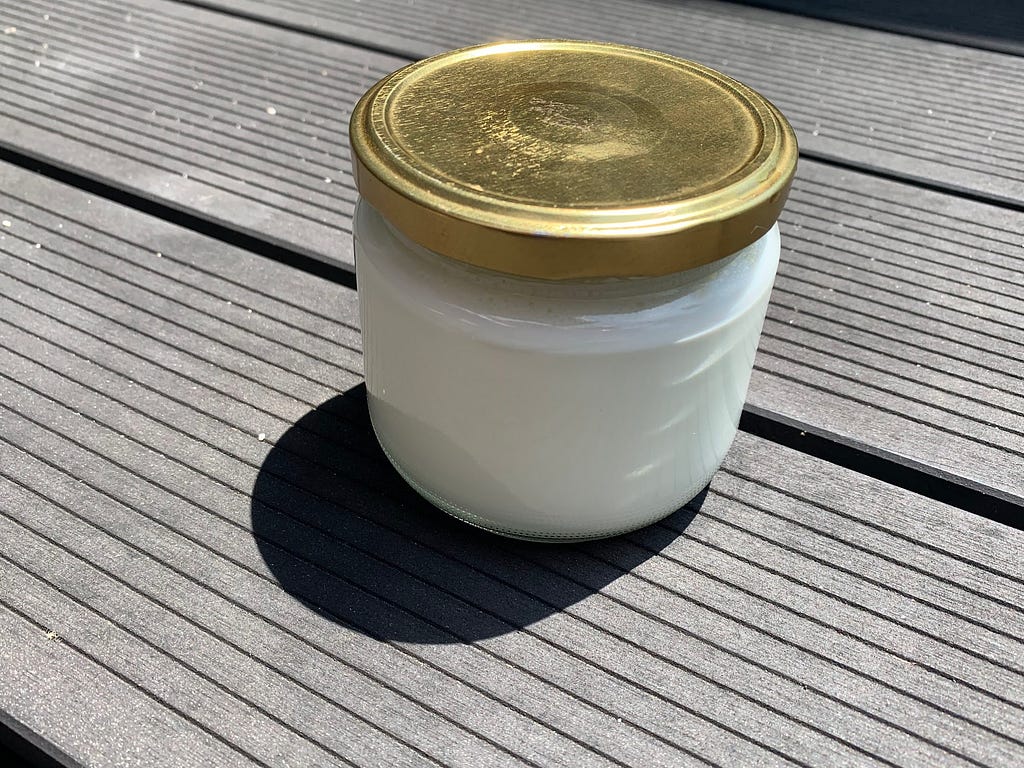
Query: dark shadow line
pixel 118 150
pixel 189 303
pixel 19 751
pixel 334 272
pixel 805 439
pixel 913 181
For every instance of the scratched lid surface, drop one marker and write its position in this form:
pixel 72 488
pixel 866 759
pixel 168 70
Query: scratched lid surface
pixel 566 159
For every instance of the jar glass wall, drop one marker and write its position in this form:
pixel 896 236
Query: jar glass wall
pixel 555 409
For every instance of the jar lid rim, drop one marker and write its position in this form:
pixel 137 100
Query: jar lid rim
pixel 561 159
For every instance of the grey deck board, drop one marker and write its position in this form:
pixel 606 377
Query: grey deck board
pixel 935 111
pixel 52 687
pixel 187 122
pixel 895 320
pixel 895 323
pixel 806 614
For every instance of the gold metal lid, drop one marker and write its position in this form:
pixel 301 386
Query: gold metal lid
pixel 561 159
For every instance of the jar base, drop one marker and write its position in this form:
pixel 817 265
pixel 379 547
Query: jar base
pixel 465 516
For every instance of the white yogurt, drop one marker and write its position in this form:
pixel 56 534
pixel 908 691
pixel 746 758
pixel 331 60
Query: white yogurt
pixel 555 410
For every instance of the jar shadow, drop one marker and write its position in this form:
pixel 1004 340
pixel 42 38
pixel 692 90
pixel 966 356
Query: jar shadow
pixel 342 532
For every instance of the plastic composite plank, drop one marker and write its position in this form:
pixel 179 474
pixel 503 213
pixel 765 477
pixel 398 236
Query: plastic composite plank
pixel 895 324
pixel 334 720
pixel 895 316
pixel 933 619
pixel 794 619
pixel 143 96
pixel 54 692
pixel 947 114
pixel 241 123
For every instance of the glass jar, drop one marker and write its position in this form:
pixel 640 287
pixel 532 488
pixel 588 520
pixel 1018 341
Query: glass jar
pixel 564 254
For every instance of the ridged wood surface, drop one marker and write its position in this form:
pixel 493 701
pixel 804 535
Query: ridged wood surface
pixel 206 560
pixel 895 324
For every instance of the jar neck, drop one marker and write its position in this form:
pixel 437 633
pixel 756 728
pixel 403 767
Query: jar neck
pixel 575 288
pixel 598 314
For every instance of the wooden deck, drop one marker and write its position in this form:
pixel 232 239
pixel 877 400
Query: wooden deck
pixel 205 559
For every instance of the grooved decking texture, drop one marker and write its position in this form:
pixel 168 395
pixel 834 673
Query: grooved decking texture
pixel 948 114
pixel 236 121
pixel 232 600
pixel 895 322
